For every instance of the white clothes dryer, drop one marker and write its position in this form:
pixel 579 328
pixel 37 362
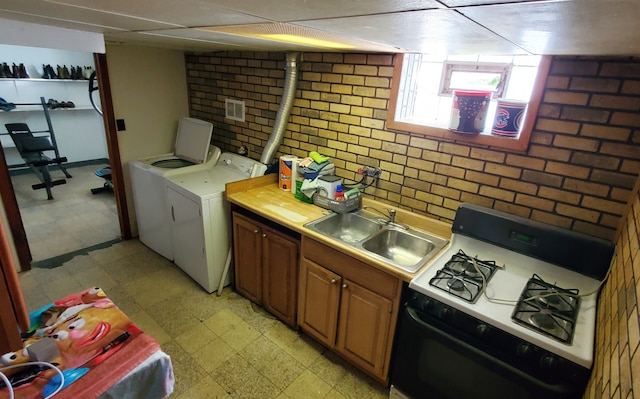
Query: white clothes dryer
pixel 200 226
pixel 192 153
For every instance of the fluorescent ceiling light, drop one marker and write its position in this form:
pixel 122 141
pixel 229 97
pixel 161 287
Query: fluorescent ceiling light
pixel 307 41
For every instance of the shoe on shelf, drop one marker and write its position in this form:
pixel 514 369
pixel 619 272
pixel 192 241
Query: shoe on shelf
pixel 65 73
pixel 22 71
pixel 51 72
pixel 86 73
pixel 53 104
pixel 45 72
pixel 5 106
pixel 6 70
pixel 2 73
pixel 15 72
pixel 67 104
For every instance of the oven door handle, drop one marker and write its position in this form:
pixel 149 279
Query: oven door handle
pixel 554 388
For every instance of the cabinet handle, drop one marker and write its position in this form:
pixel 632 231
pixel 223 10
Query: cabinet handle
pixel 255 231
pixel 173 215
pixel 264 234
pixel 345 286
pixel 333 281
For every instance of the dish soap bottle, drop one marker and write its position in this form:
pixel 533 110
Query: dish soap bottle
pixel 339 193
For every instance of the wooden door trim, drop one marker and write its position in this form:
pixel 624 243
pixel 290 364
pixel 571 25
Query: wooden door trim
pixel 14 218
pixel 113 148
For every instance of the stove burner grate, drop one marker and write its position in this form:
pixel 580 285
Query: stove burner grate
pixel 461 278
pixel 548 309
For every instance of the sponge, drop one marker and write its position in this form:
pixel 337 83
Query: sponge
pixel 317 157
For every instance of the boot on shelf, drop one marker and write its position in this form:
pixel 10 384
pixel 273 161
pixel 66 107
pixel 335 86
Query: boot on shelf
pixel 15 72
pixel 6 70
pixel 22 71
pixel 2 72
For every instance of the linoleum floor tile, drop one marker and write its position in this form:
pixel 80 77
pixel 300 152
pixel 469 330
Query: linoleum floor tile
pixel 309 386
pixel 243 381
pixel 206 388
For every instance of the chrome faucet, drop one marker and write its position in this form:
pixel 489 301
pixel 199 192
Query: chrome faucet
pixel 390 214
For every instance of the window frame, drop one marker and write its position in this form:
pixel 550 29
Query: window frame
pixel 450 67
pixel 521 143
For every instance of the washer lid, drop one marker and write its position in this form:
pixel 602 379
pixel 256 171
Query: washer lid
pixel 192 139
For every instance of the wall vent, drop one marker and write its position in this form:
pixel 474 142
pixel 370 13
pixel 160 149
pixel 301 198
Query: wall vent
pixel 234 109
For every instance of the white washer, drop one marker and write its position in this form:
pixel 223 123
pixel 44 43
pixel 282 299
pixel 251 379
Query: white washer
pixel 192 153
pixel 200 227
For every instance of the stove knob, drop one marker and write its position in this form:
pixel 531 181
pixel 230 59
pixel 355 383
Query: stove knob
pixel 426 304
pixel 548 362
pixel 482 330
pixel 523 350
pixel 445 312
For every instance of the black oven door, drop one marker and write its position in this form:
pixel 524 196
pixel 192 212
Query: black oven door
pixel 431 362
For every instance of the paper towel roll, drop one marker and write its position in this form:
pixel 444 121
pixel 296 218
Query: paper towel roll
pixel 286 164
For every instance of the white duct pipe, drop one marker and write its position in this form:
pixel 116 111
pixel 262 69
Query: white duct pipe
pixel 282 117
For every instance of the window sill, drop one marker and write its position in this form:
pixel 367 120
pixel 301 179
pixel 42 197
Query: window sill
pixel 520 143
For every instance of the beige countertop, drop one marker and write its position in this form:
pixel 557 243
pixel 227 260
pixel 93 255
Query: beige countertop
pixel 263 197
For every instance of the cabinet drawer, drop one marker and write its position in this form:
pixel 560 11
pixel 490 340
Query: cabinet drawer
pixel 350 268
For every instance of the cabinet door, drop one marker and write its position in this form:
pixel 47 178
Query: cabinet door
pixel 247 251
pixel 319 301
pixel 280 275
pixel 365 319
pixel 187 236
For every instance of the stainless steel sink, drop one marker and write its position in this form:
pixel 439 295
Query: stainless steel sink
pixel 397 245
pixel 402 248
pixel 346 227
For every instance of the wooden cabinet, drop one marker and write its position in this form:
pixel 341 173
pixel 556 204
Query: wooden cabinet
pixel 266 266
pixel 348 306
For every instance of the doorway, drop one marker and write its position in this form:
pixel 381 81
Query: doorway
pixel 76 219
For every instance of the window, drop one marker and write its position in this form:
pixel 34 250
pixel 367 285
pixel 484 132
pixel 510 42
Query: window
pixel 423 86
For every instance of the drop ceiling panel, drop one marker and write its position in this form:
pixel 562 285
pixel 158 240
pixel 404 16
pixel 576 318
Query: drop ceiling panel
pixel 297 10
pixel 170 42
pixel 432 31
pixel 588 27
pixel 465 3
pixel 213 41
pixel 47 13
pixel 182 13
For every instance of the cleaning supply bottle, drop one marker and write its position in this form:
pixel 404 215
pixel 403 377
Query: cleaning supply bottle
pixel 339 193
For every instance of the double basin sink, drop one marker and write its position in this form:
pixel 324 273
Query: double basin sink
pixel 398 245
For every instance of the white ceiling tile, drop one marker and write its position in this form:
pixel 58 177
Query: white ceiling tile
pixel 185 13
pixel 588 27
pixel 466 3
pixel 432 31
pixel 297 10
pixel 47 13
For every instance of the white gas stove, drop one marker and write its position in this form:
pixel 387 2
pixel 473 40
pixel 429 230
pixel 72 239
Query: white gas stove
pixel 510 305
pixel 503 291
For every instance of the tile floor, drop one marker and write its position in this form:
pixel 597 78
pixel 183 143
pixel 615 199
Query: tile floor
pixel 73 220
pixel 220 347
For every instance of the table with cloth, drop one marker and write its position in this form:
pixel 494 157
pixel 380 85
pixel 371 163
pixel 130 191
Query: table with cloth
pixel 100 351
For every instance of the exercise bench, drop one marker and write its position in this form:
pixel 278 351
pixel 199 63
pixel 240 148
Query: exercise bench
pixel 32 150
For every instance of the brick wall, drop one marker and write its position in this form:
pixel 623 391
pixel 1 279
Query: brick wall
pixel 616 370
pixel 578 173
